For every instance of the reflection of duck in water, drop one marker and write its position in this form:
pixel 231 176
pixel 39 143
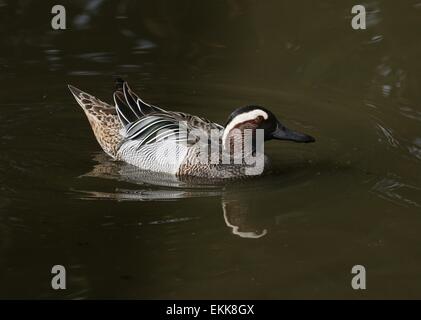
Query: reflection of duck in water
pixel 151 186
pixel 163 141
pixel 236 215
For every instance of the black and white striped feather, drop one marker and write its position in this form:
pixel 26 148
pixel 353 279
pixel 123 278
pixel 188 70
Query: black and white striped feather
pixel 130 107
pixel 147 124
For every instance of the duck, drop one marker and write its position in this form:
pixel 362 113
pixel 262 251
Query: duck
pixel 181 144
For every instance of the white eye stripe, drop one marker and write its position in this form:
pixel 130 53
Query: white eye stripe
pixel 243 117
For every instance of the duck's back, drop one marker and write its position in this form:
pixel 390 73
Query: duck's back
pixel 149 137
pixel 159 140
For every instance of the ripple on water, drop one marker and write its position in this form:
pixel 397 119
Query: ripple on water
pixel 388 134
pixel 415 149
pixel 410 113
pixel 391 189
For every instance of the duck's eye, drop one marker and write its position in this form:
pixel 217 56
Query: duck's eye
pixel 258 120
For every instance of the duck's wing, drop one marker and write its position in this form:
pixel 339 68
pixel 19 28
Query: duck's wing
pixel 156 127
pixel 198 122
pixel 148 124
pixel 131 108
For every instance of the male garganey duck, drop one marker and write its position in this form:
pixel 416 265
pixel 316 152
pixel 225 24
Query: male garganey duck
pixel 171 142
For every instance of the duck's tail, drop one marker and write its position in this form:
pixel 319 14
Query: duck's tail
pixel 103 119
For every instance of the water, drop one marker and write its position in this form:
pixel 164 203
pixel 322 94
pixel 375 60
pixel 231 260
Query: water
pixel 354 197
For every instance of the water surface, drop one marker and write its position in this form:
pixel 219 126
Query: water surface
pixel 354 197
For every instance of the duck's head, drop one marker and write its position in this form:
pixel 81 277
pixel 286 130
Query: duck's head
pixel 256 117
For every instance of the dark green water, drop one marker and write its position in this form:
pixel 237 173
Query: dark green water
pixel 354 197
